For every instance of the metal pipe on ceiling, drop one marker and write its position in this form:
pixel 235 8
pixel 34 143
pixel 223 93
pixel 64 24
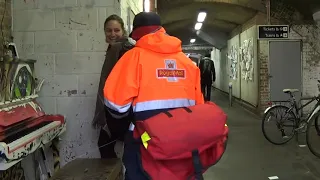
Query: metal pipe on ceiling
pixel 268 6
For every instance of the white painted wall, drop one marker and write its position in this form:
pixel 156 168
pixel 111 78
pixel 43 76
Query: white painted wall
pixel 215 56
pixel 66 38
pixel 236 89
pixel 246 90
pixel 135 5
pixel 224 70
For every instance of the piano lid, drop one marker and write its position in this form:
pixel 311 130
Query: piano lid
pixel 16 112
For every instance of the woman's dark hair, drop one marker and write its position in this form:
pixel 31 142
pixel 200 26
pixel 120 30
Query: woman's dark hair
pixel 117 18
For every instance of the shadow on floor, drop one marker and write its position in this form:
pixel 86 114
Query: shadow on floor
pixel 250 157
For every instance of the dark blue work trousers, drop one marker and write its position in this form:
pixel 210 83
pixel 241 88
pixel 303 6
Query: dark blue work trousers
pixel 132 160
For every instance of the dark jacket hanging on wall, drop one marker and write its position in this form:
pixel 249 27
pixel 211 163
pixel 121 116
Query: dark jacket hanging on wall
pixel 111 128
pixel 208 73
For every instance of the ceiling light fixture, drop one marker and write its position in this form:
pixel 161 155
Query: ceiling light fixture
pixel 198 26
pixel 192 40
pixel 146 5
pixel 201 16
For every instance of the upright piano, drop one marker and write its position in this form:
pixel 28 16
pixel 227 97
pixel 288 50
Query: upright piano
pixel 24 126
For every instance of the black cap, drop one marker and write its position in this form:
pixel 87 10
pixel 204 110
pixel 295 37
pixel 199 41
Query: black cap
pixel 146 19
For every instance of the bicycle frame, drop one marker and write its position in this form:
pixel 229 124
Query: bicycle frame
pixel 314 111
pixel 294 106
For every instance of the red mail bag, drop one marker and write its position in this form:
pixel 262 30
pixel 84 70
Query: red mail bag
pixel 182 143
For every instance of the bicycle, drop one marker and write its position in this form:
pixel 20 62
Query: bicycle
pixel 299 124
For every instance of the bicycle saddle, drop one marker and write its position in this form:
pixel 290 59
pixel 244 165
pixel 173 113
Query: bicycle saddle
pixel 290 90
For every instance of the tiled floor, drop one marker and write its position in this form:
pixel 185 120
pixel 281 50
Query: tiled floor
pixel 250 157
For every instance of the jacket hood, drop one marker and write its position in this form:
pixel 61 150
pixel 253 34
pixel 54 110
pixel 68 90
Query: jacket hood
pixel 128 44
pixel 160 42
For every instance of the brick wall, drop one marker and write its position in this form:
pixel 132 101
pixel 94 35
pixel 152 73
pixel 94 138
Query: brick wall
pixel 263 58
pixel 5 22
pixel 310 36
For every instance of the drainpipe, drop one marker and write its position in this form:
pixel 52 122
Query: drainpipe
pixel 268 5
pixel 239 66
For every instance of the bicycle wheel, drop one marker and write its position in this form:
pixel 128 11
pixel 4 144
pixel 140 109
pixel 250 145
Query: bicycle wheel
pixel 313 136
pixel 282 127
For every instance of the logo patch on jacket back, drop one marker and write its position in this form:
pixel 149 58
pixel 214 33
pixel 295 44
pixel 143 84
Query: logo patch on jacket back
pixel 171 72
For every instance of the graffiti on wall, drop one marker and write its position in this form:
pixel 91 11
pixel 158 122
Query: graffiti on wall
pixel 246 58
pixel 56 157
pixel 232 56
pixel 16 79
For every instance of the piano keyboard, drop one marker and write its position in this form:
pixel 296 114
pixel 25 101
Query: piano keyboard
pixel 15 148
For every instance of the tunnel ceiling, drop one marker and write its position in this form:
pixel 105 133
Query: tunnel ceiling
pixel 179 16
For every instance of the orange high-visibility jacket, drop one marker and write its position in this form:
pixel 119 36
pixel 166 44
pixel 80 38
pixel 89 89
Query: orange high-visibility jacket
pixel 154 75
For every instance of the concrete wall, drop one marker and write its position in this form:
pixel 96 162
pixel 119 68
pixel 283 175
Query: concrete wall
pixel 234 42
pixel 249 88
pixel 224 73
pixel 136 6
pixel 66 38
pixel 220 61
pixel 215 56
pixel 243 89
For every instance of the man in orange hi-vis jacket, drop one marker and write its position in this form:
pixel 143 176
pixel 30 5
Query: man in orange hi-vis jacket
pixel 151 78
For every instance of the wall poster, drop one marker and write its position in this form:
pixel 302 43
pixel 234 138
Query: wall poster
pixel 232 56
pixel 246 58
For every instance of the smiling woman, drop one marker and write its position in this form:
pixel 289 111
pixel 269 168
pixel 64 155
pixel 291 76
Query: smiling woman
pixel 114 29
pixel 110 129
